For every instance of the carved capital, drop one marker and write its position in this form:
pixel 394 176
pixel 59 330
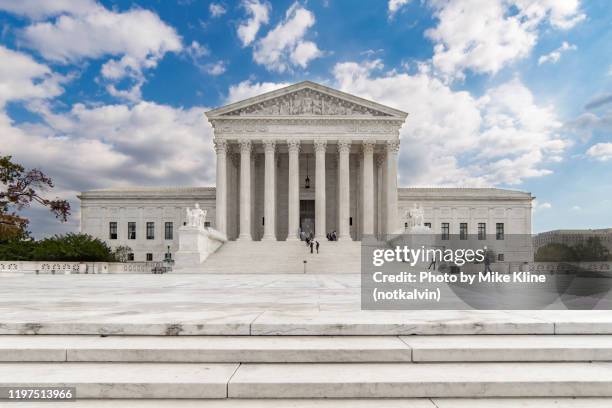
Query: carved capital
pixel 320 145
pixel 393 146
pixel 293 145
pixel 269 146
pixel 245 145
pixel 368 146
pixel 344 146
pixel 220 145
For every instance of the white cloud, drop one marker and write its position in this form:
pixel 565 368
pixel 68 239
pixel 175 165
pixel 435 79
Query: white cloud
pixel 216 10
pixel 485 36
pixel 22 78
pixel 36 9
pixel 600 151
pixel 537 206
pixel 258 14
pixel 451 138
pixel 395 5
pixel 284 46
pixel 112 145
pixel 215 68
pixel 554 56
pixel 136 40
pixel 247 89
pixel 576 208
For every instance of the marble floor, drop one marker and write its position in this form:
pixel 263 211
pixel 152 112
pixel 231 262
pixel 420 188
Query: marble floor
pixel 246 305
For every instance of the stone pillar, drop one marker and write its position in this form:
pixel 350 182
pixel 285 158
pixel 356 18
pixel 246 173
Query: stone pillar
pixel 344 188
pixel 368 187
pixel 245 190
pixel 381 162
pixel 269 193
pixel 294 190
pixel 392 220
pixel 320 147
pixel 221 186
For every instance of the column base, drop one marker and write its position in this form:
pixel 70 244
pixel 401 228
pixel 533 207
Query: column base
pixel 269 238
pixel 244 237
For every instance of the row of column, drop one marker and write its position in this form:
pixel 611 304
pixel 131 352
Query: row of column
pixel 320 147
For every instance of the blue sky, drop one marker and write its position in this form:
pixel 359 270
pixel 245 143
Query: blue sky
pixel 507 93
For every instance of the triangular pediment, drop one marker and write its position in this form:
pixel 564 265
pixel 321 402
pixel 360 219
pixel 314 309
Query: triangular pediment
pixel 303 100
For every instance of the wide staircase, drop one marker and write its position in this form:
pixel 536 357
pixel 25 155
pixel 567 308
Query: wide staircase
pixel 434 371
pixel 282 257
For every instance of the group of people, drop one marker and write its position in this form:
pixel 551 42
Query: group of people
pixel 312 244
pixel 332 236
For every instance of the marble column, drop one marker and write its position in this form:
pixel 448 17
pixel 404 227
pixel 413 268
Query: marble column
pixel 392 220
pixel 294 190
pixel 381 162
pixel 269 191
pixel 320 146
pixel 245 190
pixel 368 187
pixel 221 186
pixel 344 188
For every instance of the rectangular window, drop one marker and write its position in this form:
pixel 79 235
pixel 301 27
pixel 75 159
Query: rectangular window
pixel 500 257
pixel 482 231
pixel 499 231
pixel 463 231
pixel 149 257
pixel 131 230
pixel 150 230
pixel 130 256
pixel 427 224
pixel 168 230
pixel 445 230
pixel 206 224
pixel 112 230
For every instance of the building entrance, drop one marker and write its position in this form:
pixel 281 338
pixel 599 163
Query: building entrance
pixel 307 217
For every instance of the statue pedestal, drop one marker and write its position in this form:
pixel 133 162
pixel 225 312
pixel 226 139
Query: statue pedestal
pixel 196 244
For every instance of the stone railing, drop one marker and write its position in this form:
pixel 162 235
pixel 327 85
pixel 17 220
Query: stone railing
pixel 69 268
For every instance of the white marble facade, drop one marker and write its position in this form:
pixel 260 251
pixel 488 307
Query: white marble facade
pixel 266 148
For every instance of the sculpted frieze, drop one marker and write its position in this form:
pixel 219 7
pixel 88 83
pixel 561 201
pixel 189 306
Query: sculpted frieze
pixel 307 102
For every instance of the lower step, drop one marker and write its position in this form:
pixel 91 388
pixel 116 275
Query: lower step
pixel 358 380
pixel 346 403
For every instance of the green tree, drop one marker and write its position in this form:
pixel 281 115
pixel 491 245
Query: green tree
pixel 61 248
pixel 555 252
pixel 18 189
pixel 121 253
pixel 591 250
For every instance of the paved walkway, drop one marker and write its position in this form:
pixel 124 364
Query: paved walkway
pixel 245 304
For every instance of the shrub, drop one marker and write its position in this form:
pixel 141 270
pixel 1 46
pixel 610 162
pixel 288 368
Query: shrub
pixel 69 247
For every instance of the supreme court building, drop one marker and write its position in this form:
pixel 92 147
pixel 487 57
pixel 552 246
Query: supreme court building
pixel 302 158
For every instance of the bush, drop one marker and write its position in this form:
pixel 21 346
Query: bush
pixel 69 247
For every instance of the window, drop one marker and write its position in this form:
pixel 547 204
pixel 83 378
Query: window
pixel 131 230
pixel 149 257
pixel 445 230
pixel 131 256
pixel 482 231
pixel 168 230
pixel 427 224
pixel 150 230
pixel 500 257
pixel 463 230
pixel 405 225
pixel 499 231
pixel 351 221
pixel 112 230
pixel 206 224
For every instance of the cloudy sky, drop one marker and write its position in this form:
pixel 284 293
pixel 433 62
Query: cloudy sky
pixel 507 93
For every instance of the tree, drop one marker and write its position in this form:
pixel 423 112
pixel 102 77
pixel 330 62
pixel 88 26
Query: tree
pixel 555 252
pixel 60 248
pixel 591 250
pixel 18 189
pixel 121 253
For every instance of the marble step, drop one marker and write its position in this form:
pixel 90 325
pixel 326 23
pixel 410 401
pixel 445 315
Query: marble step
pixel 291 381
pixel 401 380
pixel 345 403
pixel 308 349
pixel 207 349
pixel 123 380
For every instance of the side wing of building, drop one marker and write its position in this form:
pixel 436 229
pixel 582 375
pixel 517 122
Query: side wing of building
pixel 144 219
